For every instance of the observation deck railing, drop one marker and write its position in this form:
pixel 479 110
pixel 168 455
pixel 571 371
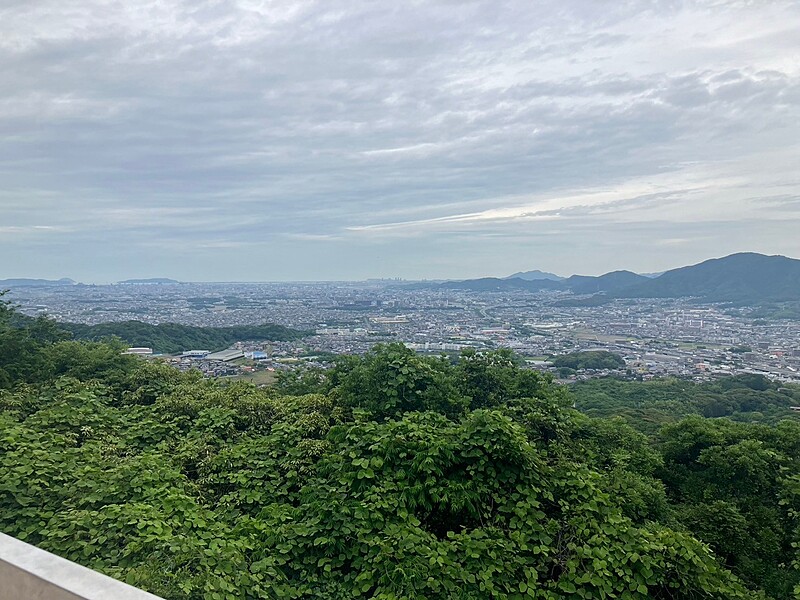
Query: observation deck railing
pixel 29 573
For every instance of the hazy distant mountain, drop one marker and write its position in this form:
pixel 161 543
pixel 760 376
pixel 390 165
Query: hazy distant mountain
pixel 744 277
pixel 493 284
pixel 578 284
pixel 151 281
pixel 10 283
pixel 610 282
pixel 535 276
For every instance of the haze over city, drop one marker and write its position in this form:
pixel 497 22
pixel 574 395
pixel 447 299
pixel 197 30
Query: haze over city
pixel 245 140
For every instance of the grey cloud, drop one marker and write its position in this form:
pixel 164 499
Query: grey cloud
pixel 282 125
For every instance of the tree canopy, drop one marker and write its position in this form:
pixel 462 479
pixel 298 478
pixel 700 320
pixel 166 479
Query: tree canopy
pixel 170 338
pixel 166 338
pixel 397 477
pixel 591 359
pixel 649 405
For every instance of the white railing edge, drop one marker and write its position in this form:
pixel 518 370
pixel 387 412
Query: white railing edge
pixel 32 565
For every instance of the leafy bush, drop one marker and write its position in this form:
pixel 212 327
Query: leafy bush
pixel 402 477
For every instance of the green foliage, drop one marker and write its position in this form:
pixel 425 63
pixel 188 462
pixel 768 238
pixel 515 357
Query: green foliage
pixel 37 350
pixel 171 337
pixel 734 485
pixel 593 359
pixel 773 310
pixel 403 477
pixel 489 379
pixel 629 463
pixel 652 404
pixel 300 381
pixel 746 278
pixel 730 484
pixel 22 357
pixel 424 507
pixel 391 380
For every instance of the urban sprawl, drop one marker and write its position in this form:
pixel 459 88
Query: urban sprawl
pixel 655 337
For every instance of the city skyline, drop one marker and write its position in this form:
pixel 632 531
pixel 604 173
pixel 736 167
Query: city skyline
pixel 275 141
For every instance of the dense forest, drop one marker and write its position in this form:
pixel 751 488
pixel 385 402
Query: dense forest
pixel 649 405
pixel 590 359
pixel 170 338
pixel 391 476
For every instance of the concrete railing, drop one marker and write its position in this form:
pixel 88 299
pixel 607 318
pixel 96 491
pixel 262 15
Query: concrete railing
pixel 28 573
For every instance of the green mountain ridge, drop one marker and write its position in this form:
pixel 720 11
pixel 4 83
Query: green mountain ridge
pixel 746 277
pixel 743 277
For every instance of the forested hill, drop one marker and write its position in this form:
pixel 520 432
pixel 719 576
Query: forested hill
pixel 649 405
pixel 591 359
pixel 165 338
pixel 535 275
pixel 744 277
pixel 389 476
pixel 172 337
pixel 610 282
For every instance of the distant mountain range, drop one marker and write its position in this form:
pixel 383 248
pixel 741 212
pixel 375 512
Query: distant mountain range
pixel 12 283
pixel 746 277
pixel 535 276
pixel 494 284
pixel 578 284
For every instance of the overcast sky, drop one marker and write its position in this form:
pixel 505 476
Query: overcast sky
pixel 289 140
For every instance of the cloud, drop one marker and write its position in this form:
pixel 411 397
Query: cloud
pixel 217 127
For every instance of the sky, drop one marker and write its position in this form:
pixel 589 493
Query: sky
pixel 266 140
